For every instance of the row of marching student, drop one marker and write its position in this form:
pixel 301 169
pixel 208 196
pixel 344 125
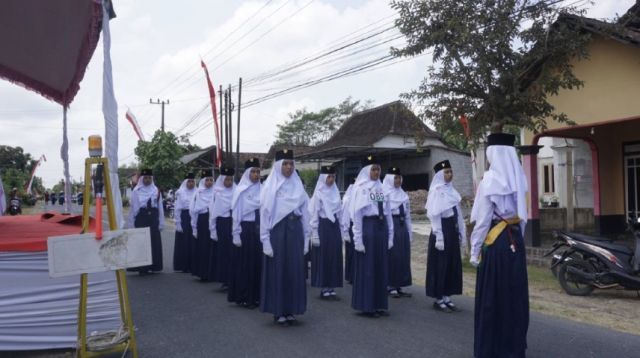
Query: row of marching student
pixel 253 238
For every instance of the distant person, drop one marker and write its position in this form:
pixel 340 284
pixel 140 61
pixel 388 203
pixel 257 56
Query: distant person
pixel 61 198
pixel 183 249
pixel 54 198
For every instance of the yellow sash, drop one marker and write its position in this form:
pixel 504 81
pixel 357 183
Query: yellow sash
pixel 497 230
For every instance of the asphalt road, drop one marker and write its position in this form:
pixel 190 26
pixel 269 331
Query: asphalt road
pixel 178 316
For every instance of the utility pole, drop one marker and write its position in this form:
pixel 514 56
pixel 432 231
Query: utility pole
pixel 230 127
pixel 221 119
pixel 238 130
pixel 160 103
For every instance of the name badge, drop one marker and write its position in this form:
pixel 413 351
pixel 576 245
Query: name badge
pixel 376 196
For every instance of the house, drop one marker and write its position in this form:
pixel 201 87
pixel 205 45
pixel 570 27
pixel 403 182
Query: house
pixel 395 134
pixel 205 159
pixel 591 168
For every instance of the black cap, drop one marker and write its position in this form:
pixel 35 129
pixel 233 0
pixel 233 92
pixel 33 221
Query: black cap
pixel 327 169
pixel 284 154
pixel 190 175
pixel 227 171
pixel 252 163
pixel 146 172
pixel 442 165
pixel 206 173
pixel 370 159
pixel 394 171
pixel 501 139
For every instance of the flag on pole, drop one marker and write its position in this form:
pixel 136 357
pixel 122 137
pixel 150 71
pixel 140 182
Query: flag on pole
pixel 136 127
pixel 212 95
pixel 33 173
pixel 467 132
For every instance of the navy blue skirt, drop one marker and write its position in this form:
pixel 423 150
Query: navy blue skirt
pixel 371 272
pixel 224 247
pixel 349 252
pixel 182 249
pixel 149 217
pixel 283 290
pixel 326 260
pixel 246 266
pixel 502 299
pixel 203 248
pixel 400 255
pixel 444 268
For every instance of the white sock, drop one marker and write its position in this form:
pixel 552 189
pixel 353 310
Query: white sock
pixel 446 299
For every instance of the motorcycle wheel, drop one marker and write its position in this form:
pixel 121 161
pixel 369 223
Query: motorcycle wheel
pixel 571 285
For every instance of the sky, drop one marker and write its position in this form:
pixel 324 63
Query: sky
pixel 156 52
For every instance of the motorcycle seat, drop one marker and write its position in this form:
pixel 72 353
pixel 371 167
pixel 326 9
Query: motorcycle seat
pixel 598 241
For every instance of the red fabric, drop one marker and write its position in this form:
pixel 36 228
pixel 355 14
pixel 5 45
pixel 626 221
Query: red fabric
pixel 30 232
pixel 212 94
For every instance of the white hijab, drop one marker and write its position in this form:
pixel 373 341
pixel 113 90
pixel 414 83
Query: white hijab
pixel 279 206
pixel 222 197
pixel 327 196
pixel 184 195
pixel 202 198
pixel 361 189
pixel 504 177
pixel 246 183
pixel 396 196
pixel 442 195
pixel 146 192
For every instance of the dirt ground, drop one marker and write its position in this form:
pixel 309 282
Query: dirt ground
pixel 615 309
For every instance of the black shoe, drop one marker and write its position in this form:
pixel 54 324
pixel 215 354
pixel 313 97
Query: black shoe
pixel 370 314
pixel 281 321
pixel 441 307
pixel 452 307
pixel 404 294
pixel 394 293
pixel 382 313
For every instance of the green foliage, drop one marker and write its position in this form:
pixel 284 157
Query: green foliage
pixel 309 177
pixel 497 62
pixel 314 128
pixel 162 154
pixel 15 170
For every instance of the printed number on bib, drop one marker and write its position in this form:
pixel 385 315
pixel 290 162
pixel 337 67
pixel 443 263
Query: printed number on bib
pixel 377 196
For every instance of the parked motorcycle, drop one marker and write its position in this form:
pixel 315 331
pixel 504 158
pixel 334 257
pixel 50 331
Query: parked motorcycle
pixel 169 208
pixel 15 207
pixel 590 262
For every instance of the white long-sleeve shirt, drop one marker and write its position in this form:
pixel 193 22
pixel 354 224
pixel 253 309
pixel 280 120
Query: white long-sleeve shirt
pixel 407 217
pixel 503 205
pixel 314 220
pixel 436 222
pixel 252 192
pixel 371 210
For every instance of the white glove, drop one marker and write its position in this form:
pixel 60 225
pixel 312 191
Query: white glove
pixel 237 241
pixel 359 247
pixel 267 249
pixel 306 247
pixel 390 242
pixel 346 237
pixel 214 236
pixel 195 233
pixel 315 240
pixel 179 228
pixel 439 241
pixel 475 261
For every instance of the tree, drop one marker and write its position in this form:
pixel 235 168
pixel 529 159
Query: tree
pixel 15 169
pixel 495 61
pixel 314 128
pixel 162 154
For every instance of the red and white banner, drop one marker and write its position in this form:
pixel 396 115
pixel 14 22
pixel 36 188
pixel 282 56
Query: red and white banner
pixel 33 173
pixel 467 133
pixel 134 123
pixel 212 94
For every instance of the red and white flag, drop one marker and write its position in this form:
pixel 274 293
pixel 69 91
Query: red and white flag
pixel 212 95
pixel 134 123
pixel 33 173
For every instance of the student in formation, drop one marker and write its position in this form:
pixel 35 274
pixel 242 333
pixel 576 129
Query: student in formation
pixel 220 223
pixel 347 234
pixel 325 210
pixel 372 237
pixel 199 211
pixel 246 258
pixel 400 254
pixel 146 211
pixel 497 249
pixel 284 232
pixel 444 265
pixel 182 251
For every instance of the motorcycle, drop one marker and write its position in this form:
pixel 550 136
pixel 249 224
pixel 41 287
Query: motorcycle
pixel 169 208
pixel 590 262
pixel 15 207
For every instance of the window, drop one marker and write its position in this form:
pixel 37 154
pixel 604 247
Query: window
pixel 549 184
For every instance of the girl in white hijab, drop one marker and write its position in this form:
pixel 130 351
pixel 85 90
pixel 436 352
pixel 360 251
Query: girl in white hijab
pixel 372 237
pixel 246 258
pixel 325 209
pixel 346 223
pixel 497 249
pixel 220 223
pixel 444 264
pixel 400 254
pixel 147 211
pixel 183 249
pixel 199 211
pixel 284 231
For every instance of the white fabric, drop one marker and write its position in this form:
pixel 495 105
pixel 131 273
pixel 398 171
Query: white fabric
pixel 200 203
pixel 3 199
pixel 325 203
pixel 64 154
pixel 38 312
pixel 220 205
pixel 139 199
pixel 245 201
pixel 346 218
pixel 184 196
pixel 397 197
pixel 502 191
pixel 110 113
pixel 364 202
pixel 442 195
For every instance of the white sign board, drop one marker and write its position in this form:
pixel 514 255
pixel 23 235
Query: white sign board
pixel 76 254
